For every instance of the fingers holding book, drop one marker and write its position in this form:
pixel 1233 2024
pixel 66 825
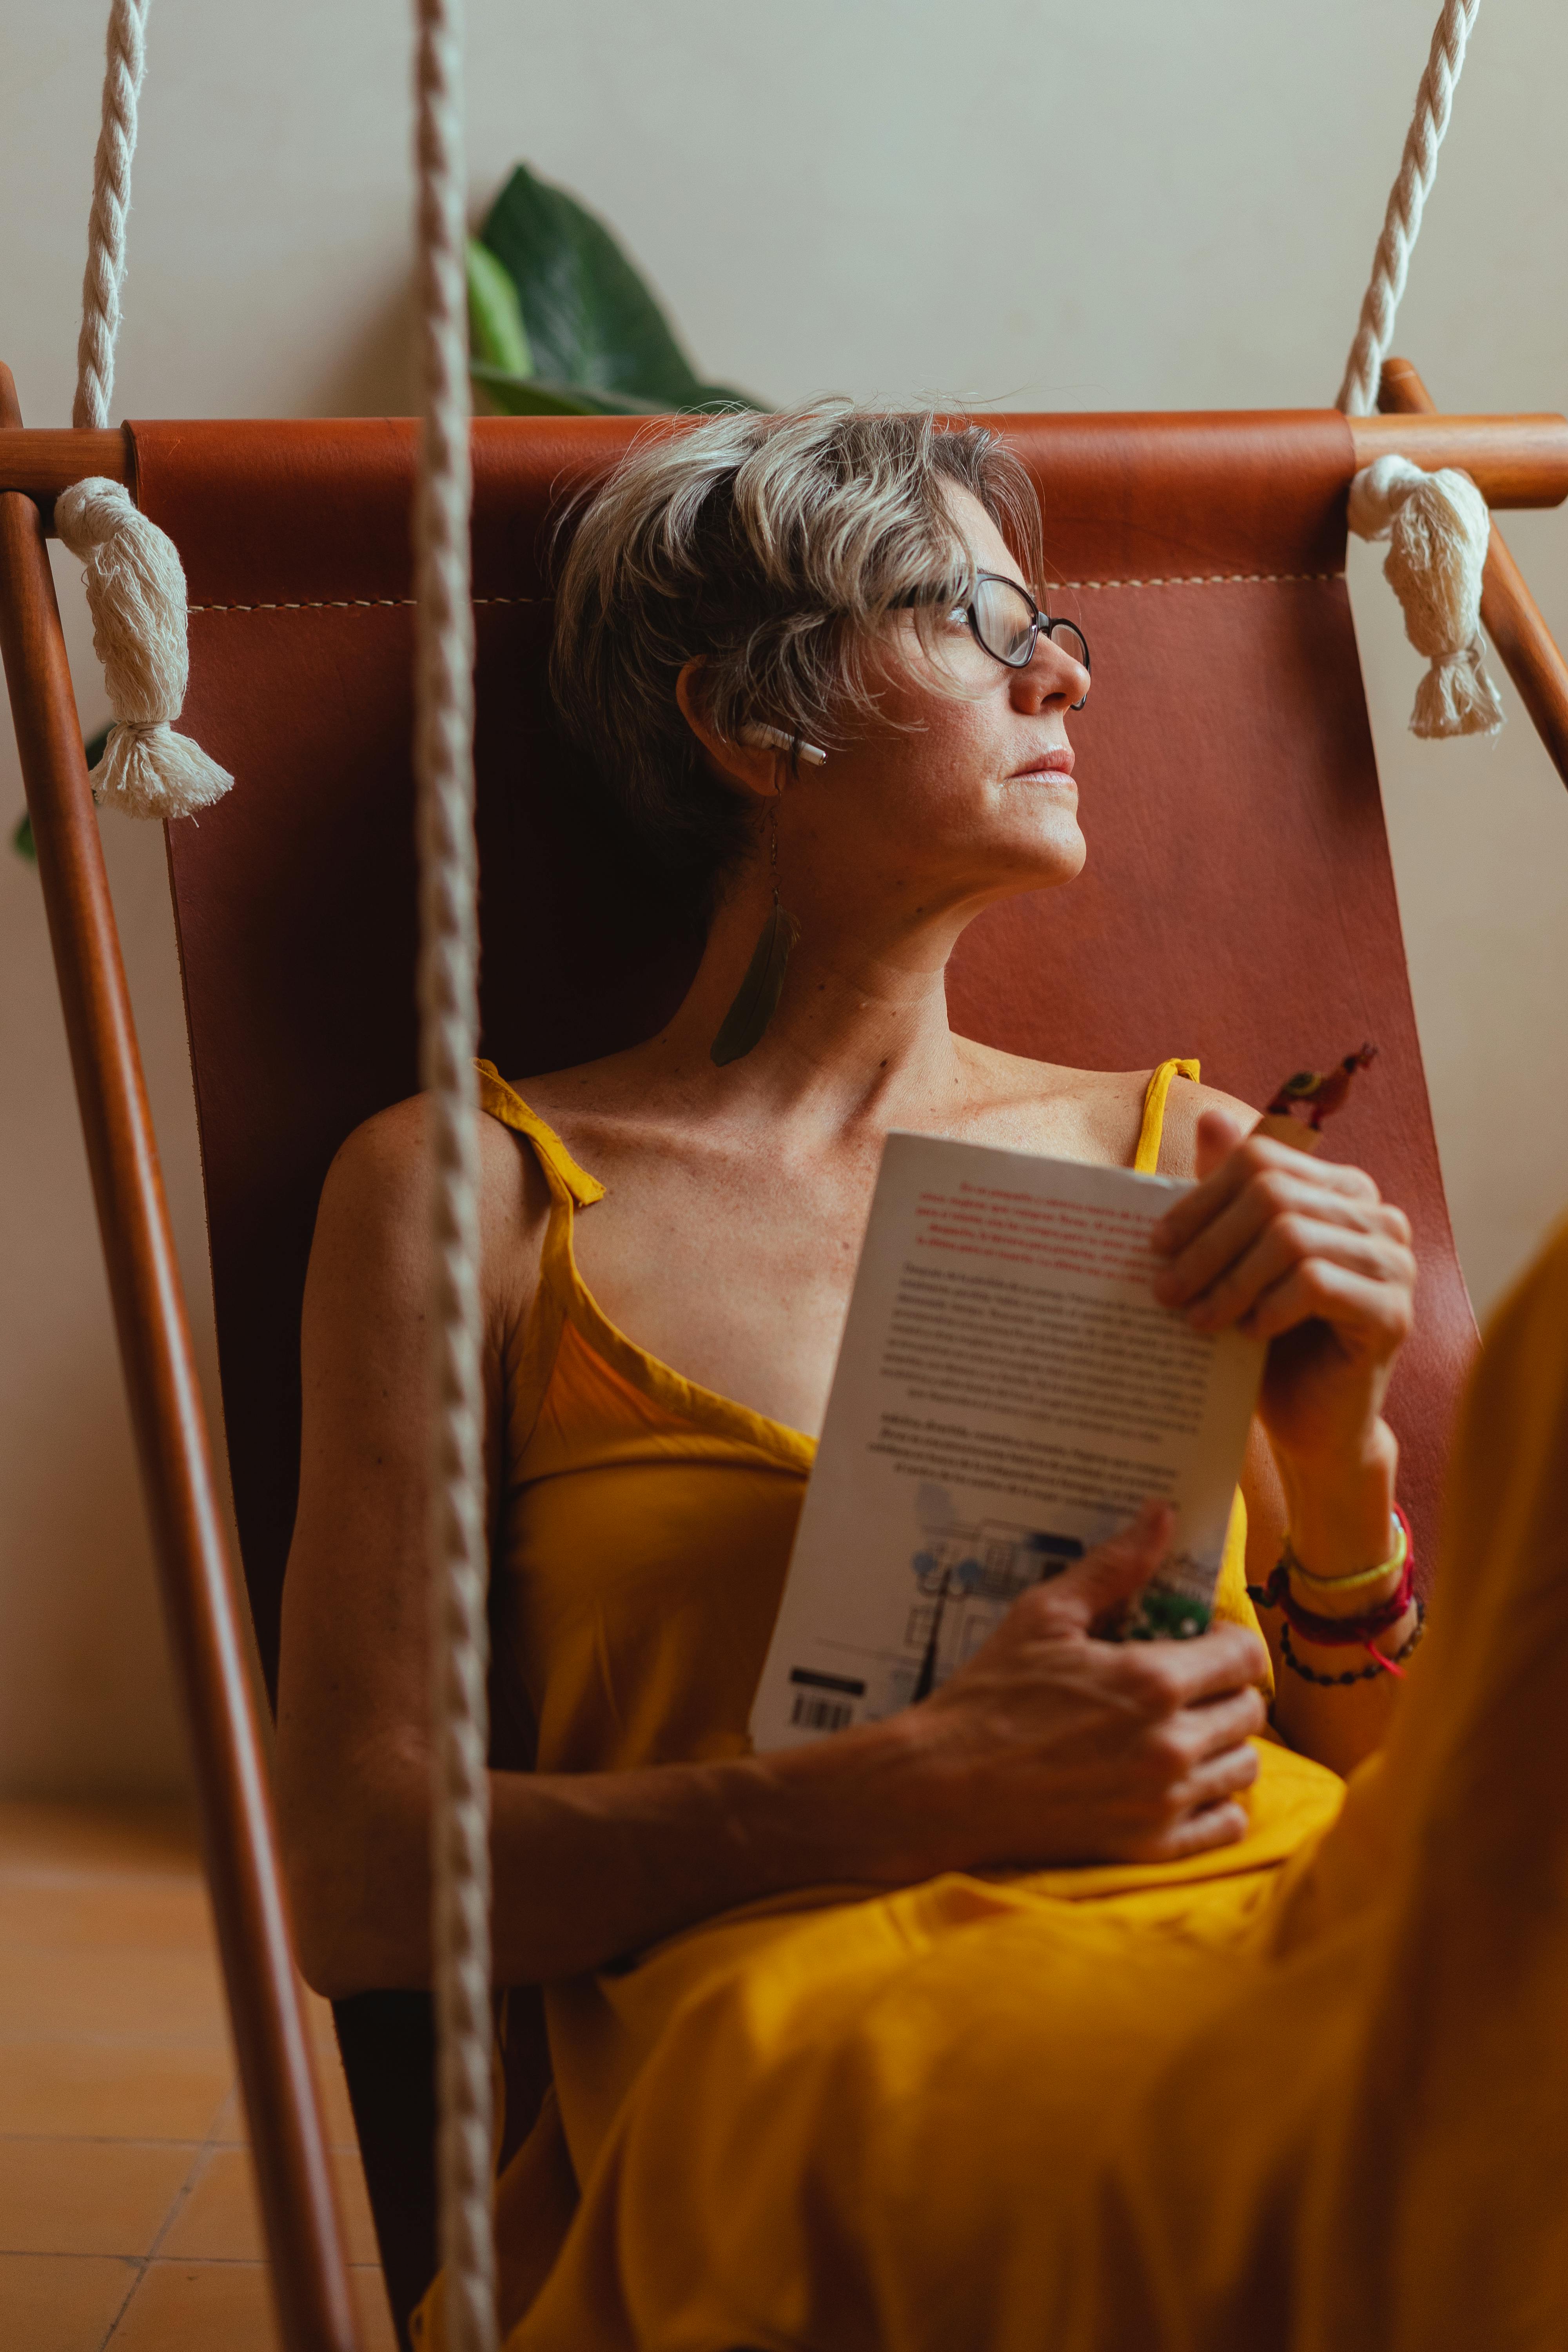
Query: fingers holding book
pixel 1053 1745
pixel 1296 1251
pixel 1260 1206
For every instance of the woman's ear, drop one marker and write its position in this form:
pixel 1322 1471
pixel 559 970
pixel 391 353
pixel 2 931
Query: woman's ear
pixel 749 766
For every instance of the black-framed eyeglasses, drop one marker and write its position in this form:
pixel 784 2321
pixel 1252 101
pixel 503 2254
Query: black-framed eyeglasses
pixel 1005 621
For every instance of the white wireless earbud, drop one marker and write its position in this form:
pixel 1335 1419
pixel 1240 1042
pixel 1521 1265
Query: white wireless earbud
pixel 775 740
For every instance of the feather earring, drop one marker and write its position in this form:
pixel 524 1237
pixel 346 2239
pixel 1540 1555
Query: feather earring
pixel 756 1000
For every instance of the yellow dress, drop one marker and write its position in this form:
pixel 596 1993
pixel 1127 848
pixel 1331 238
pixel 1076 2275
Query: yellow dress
pixel 1067 2108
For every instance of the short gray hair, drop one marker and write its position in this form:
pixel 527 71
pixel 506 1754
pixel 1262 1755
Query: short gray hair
pixel 772 549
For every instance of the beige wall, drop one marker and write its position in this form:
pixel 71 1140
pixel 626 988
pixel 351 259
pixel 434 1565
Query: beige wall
pixel 1111 204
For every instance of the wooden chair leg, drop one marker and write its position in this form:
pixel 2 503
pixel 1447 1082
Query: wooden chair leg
pixel 1509 613
pixel 304 2241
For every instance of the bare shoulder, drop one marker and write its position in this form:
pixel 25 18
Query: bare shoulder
pixel 614 1097
pixel 624 1114
pixel 376 1203
pixel 1071 1114
pixel 1185 1105
pixel 1094 1115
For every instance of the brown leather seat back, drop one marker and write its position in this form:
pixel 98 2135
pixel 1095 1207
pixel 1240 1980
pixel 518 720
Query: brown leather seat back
pixel 1238 904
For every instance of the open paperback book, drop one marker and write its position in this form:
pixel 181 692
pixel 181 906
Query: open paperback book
pixel 1008 1391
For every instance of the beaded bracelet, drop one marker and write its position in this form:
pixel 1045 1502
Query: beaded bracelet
pixel 1343 1632
pixel 1333 1632
pixel 1394 1664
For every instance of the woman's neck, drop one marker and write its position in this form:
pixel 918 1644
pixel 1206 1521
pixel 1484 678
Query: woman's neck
pixel 861 1029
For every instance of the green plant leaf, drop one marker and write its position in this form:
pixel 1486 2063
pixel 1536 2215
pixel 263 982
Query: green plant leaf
pixel 496 331
pixel 530 395
pixel 593 325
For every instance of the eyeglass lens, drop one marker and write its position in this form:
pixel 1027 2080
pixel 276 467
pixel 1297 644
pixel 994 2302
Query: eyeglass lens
pixel 1004 619
pixel 1004 622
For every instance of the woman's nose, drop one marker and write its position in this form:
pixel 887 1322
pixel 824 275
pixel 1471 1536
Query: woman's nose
pixel 1051 673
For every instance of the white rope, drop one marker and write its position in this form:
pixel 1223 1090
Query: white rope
pixel 136 590
pixel 1407 199
pixel 135 582
pixel 126 57
pixel 1437 524
pixel 449 1024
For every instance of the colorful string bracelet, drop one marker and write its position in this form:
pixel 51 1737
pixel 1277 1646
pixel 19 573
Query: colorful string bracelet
pixel 1359 1631
pixel 1381 1662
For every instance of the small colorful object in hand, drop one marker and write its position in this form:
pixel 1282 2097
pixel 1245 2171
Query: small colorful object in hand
pixel 1314 1095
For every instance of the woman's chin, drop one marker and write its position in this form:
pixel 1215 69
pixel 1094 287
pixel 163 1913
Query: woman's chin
pixel 1053 855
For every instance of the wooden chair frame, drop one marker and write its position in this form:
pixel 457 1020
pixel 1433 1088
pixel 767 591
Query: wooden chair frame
pixel 1517 461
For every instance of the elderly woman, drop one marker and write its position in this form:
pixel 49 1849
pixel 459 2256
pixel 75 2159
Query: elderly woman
pixel 867 2044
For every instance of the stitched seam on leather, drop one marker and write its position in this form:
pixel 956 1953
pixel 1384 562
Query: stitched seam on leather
pixel 1205 580
pixel 397 603
pixel 353 604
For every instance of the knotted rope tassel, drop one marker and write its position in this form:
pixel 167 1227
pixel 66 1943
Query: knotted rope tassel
pixel 1437 522
pixel 136 595
pixel 1438 528
pixel 136 581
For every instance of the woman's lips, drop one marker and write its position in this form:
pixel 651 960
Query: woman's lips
pixel 1050 767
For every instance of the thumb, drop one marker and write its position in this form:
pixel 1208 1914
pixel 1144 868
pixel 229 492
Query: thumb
pixel 1096 1586
pixel 1219 1132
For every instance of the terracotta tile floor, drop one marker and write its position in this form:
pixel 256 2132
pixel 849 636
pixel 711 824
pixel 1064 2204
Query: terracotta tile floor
pixel 127 2212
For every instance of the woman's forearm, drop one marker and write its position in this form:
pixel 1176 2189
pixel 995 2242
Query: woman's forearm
pixel 622 1859
pixel 1339 1514
pixel 587 1866
pixel 1048 1746
pixel 1340 1508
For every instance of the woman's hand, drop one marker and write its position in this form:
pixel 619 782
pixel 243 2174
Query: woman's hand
pixel 1307 1256
pixel 1054 1746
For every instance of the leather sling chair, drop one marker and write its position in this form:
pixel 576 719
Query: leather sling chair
pixel 1238 905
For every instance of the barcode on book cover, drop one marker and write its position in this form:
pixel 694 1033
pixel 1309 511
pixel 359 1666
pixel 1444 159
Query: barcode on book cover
pixel 819 1714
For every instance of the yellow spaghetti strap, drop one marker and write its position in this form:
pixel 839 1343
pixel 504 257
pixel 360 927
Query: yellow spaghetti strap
pixel 565 1179
pixel 1147 1161
pixel 503 1102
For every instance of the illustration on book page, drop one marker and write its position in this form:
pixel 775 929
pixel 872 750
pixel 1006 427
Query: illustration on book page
pixel 1008 1391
